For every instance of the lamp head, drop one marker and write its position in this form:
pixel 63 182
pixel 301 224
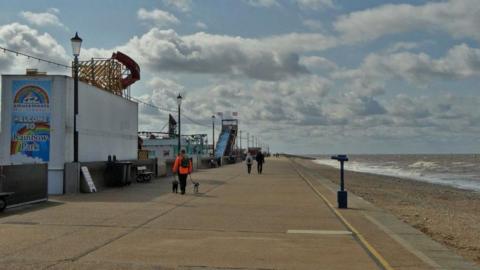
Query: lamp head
pixel 340 158
pixel 179 99
pixel 76 44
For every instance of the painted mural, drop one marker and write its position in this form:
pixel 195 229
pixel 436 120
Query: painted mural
pixel 30 128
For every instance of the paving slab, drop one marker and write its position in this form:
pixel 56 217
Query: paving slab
pixel 235 250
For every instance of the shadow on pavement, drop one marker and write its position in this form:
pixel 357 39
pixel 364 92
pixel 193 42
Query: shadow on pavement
pixel 24 209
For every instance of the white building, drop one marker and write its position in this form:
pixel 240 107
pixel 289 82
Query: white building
pixel 37 124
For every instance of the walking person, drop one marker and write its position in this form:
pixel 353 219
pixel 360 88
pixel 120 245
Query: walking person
pixel 249 161
pixel 260 160
pixel 182 166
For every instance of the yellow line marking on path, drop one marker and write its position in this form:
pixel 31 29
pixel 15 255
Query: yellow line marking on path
pixel 323 232
pixel 360 237
pixel 404 243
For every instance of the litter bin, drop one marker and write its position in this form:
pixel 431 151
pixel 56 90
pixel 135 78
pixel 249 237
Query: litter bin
pixel 118 173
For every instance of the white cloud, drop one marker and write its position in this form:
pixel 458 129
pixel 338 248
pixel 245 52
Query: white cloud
pixel 272 58
pixel 403 46
pixel 299 42
pixel 201 25
pixel 20 158
pixel 262 3
pixel 22 38
pixel 53 10
pixel 317 62
pixel 293 101
pixel 48 18
pixel 458 18
pixel 313 24
pixel 181 5
pixel 315 4
pixel 460 62
pixel 158 17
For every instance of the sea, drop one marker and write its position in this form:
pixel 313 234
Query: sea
pixel 455 170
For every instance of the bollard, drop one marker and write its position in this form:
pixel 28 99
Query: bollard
pixel 342 195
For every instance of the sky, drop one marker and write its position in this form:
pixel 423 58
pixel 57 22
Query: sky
pixel 305 76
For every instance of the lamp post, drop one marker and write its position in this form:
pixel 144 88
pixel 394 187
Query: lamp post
pixel 241 151
pixel 179 102
pixel 76 46
pixel 213 135
pixel 342 195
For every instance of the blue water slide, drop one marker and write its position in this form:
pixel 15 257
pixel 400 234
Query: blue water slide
pixel 222 143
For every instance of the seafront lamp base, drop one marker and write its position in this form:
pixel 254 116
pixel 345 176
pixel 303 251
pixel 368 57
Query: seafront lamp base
pixel 342 198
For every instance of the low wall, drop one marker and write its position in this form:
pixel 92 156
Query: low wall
pixel 29 182
pixel 74 182
pixel 198 163
pixel 98 170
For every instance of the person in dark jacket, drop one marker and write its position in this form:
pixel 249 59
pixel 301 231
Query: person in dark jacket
pixel 260 160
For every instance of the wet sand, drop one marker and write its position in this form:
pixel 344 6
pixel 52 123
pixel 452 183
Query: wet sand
pixel 448 215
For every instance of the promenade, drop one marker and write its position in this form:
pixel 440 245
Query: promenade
pixel 282 219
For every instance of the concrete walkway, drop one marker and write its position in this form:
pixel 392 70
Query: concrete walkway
pixel 279 220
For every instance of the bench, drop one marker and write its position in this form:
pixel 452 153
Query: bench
pixel 3 200
pixel 143 175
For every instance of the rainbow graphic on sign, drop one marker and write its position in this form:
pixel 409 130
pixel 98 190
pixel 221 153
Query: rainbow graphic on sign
pixel 31 94
pixel 30 127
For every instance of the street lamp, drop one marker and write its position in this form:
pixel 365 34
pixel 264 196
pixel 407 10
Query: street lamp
pixel 213 134
pixel 179 102
pixel 76 46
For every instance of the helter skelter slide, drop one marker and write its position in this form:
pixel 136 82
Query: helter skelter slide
pixel 227 138
pixel 113 74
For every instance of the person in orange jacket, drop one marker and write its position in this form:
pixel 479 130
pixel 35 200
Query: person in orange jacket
pixel 182 166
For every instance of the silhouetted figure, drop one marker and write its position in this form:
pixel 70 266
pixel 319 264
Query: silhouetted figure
pixel 249 161
pixel 260 160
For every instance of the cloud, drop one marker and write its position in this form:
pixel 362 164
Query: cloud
pixel 402 46
pixel 158 17
pixel 313 24
pixel 300 42
pixel 405 107
pixel 317 62
pixel 48 18
pixel 315 4
pixel 294 102
pixel 291 101
pixel 460 62
pixel 262 3
pixel 458 18
pixel 53 10
pixel 181 5
pixel 24 39
pixel 201 25
pixel 272 58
